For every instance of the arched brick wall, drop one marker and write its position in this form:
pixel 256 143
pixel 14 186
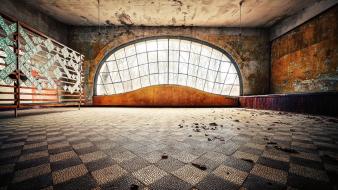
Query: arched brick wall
pixel 252 55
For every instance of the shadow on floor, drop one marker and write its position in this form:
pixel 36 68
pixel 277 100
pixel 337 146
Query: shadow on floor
pixel 31 112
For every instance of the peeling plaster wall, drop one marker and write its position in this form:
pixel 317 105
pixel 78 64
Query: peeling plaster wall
pixel 305 59
pixel 252 56
pixel 35 19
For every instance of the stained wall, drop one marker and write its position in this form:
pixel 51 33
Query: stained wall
pixel 250 51
pixel 305 59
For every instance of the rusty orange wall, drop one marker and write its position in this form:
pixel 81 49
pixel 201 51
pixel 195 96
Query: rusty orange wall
pixel 305 59
pixel 165 95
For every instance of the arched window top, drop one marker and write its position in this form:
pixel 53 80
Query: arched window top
pixel 168 61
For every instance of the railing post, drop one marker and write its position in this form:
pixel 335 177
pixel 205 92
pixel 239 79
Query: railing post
pixel 17 72
pixel 80 67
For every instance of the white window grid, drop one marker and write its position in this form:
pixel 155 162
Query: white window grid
pixel 168 61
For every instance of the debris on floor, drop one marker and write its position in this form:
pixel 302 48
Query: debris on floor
pixel 213 124
pixel 134 187
pixel 164 156
pixel 199 166
pixel 247 160
pixel 285 149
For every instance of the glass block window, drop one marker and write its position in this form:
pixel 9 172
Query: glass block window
pixel 168 61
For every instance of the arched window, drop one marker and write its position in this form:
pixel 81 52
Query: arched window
pixel 176 61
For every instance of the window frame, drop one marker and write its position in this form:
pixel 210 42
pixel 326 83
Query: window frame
pixel 144 40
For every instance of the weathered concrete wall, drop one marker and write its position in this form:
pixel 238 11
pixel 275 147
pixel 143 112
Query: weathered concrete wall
pixel 252 57
pixel 35 19
pixel 305 59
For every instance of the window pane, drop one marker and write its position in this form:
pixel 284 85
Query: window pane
pixel 152 45
pixel 119 54
pixel 216 54
pixel 208 86
pixel 115 76
pixel 144 70
pixel 109 89
pixel 182 79
pixel 173 78
pixel 134 72
pixel 125 75
pixel 162 44
pixel 194 59
pixel 191 81
pixel 193 70
pixel 99 80
pixel 184 57
pixel 235 91
pixel 105 77
pixel 145 81
pixel 174 44
pixel 202 73
pixel 112 66
pixel 185 45
pixel 217 88
pixel 200 83
pixel 224 67
pixel 154 79
pixel 173 55
pixel 211 76
pixel 140 47
pixel 130 50
pixel 118 87
pixel 132 61
pixel 163 67
pixel 206 51
pixel 163 78
pixel 236 81
pixel 122 64
pixel 173 67
pixel 230 79
pixel 136 83
pixel 214 64
pixel 196 48
pixel 162 55
pixel 225 58
pixel 100 90
pixel 183 68
pixel 152 57
pixel 221 77
pixel 232 69
pixel 104 68
pixel 142 58
pixel 204 62
pixel 127 85
pixel 111 58
pixel 153 68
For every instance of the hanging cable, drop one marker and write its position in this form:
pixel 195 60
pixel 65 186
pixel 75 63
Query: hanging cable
pixel 99 24
pixel 240 18
pixel 98 15
pixel 240 26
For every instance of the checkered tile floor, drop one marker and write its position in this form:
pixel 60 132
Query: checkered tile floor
pixel 206 148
